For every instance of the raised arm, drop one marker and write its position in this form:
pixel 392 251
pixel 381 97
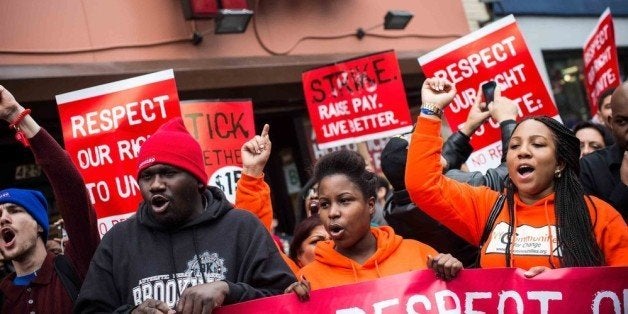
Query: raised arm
pixel 253 193
pixel 462 208
pixel 67 184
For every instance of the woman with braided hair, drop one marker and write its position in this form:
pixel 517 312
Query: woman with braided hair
pixel 546 222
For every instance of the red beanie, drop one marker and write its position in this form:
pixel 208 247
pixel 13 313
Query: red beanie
pixel 173 145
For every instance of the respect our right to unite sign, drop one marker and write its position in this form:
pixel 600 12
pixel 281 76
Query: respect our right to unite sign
pixel 103 129
pixel 496 52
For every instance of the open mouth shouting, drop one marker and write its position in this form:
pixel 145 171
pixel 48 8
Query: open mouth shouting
pixel 8 237
pixel 159 203
pixel 336 231
pixel 525 170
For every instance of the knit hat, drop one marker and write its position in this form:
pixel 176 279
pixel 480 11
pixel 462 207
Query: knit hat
pixel 393 162
pixel 32 201
pixel 173 145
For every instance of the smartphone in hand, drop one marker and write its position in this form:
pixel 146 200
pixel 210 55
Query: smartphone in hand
pixel 488 90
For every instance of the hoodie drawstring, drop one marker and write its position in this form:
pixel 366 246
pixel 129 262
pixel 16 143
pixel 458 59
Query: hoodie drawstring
pixel 198 259
pixel 174 266
pixel 355 272
pixel 513 237
pixel 379 274
pixel 551 237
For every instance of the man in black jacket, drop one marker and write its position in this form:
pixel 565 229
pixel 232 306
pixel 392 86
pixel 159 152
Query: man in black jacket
pixel 412 223
pixel 604 173
pixel 187 248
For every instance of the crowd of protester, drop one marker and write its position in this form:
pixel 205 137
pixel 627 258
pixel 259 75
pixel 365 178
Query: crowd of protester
pixel 187 249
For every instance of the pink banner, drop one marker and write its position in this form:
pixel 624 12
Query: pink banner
pixel 502 290
pixel 357 100
pixel 103 129
pixel 496 52
pixel 601 65
pixel 221 127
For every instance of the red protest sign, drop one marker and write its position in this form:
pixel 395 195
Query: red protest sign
pixel 357 100
pixel 221 127
pixel 499 290
pixel 601 65
pixel 374 147
pixel 103 128
pixel 496 52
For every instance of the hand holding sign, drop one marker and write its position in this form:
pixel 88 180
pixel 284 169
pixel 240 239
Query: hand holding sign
pixel 9 108
pixel 152 306
pixel 255 153
pixel 445 265
pixel 502 108
pixel 438 91
pixel 477 116
pixel 301 288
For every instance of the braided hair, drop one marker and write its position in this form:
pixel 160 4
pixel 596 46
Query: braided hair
pixel 350 164
pixel 573 222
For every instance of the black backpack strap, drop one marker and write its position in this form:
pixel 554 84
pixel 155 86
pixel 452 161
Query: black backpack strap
pixel 68 276
pixel 497 208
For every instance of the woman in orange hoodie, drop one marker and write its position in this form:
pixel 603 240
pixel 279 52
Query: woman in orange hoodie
pixel 358 252
pixel 546 221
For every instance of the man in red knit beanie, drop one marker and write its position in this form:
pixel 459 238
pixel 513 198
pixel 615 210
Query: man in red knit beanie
pixel 186 249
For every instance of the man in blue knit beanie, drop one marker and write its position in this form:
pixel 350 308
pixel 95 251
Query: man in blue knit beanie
pixel 32 202
pixel 41 281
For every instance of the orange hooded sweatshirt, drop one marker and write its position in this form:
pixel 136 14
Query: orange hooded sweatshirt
pixel 394 255
pixel 465 209
pixel 253 195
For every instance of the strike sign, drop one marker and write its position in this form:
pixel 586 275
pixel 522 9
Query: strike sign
pixel 357 100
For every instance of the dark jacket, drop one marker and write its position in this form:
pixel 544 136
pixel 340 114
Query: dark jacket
pixel 46 294
pixel 600 176
pixel 139 259
pixel 494 178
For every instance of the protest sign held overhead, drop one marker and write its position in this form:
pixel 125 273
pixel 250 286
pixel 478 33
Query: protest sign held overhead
pixel 221 128
pixel 601 65
pixel 498 290
pixel 103 129
pixel 357 100
pixel 497 52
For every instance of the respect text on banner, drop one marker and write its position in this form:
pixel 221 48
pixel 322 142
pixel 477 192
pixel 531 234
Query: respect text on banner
pixel 357 100
pixel 496 52
pixel 103 128
pixel 500 290
pixel 221 127
pixel 601 65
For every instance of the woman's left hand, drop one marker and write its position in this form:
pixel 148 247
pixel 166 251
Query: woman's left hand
pixel 301 288
pixel 437 91
pixel 445 265
pixel 534 271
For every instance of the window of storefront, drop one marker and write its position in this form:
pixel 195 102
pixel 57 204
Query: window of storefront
pixel 566 73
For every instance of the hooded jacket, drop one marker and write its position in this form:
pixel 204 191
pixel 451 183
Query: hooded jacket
pixel 139 259
pixel 394 255
pixel 465 209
